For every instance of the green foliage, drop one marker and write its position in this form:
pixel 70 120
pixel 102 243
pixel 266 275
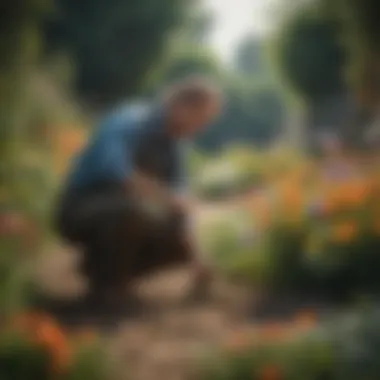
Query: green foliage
pixel 249 58
pixel 345 348
pixel 361 17
pixel 19 49
pixel 309 54
pixel 323 232
pixel 360 33
pixel 26 187
pixel 231 172
pixel 252 115
pixel 21 360
pixel 187 61
pixel 196 27
pixel 90 362
pixel 114 43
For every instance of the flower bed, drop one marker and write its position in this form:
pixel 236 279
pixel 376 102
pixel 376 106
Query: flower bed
pixel 342 349
pixel 34 346
pixel 309 230
pixel 237 170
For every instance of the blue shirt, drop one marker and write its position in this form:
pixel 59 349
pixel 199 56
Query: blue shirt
pixel 133 136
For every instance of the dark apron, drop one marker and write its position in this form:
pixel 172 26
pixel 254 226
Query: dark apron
pixel 110 259
pixel 77 212
pixel 155 156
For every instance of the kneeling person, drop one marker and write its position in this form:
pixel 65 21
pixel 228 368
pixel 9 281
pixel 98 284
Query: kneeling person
pixel 133 162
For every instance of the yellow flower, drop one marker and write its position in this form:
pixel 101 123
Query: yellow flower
pixel 344 232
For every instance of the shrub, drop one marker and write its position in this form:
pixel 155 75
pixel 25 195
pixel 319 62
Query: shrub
pixel 34 346
pixel 308 231
pixel 344 348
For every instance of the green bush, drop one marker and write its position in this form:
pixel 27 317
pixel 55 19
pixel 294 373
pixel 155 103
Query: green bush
pixel 306 234
pixel 34 346
pixel 344 348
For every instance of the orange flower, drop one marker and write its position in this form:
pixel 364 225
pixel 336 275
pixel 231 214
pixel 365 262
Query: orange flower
pixel 274 332
pixel 344 232
pixel 356 192
pixel 12 223
pixel 70 140
pixel 262 211
pixel 270 372
pixel 328 206
pixel 47 334
pixel 66 143
pixel 16 225
pixel 306 320
pixel 333 196
pixel 292 198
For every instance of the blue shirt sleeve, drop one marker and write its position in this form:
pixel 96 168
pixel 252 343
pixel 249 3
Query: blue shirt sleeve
pixel 115 155
pixel 109 154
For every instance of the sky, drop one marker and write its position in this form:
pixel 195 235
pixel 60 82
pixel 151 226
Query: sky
pixel 236 18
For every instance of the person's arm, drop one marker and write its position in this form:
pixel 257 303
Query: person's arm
pixel 180 180
pixel 118 147
pixel 141 183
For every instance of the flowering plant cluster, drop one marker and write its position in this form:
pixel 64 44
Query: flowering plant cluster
pixel 33 346
pixel 345 347
pixel 314 227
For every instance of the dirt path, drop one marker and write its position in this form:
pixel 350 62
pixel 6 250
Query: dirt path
pixel 165 343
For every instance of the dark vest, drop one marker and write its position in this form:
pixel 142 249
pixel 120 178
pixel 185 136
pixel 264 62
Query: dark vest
pixel 155 154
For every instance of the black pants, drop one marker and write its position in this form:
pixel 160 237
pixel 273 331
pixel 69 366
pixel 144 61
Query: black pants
pixel 118 240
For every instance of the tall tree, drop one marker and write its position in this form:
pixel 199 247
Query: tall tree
pixel 19 50
pixel 188 53
pixel 249 57
pixel 113 43
pixel 309 54
pixel 188 61
pixel 252 116
pixel 361 32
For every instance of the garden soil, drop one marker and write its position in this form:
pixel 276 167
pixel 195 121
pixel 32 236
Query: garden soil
pixel 166 340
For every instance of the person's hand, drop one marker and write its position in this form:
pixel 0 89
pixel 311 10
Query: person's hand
pixel 179 204
pixel 183 204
